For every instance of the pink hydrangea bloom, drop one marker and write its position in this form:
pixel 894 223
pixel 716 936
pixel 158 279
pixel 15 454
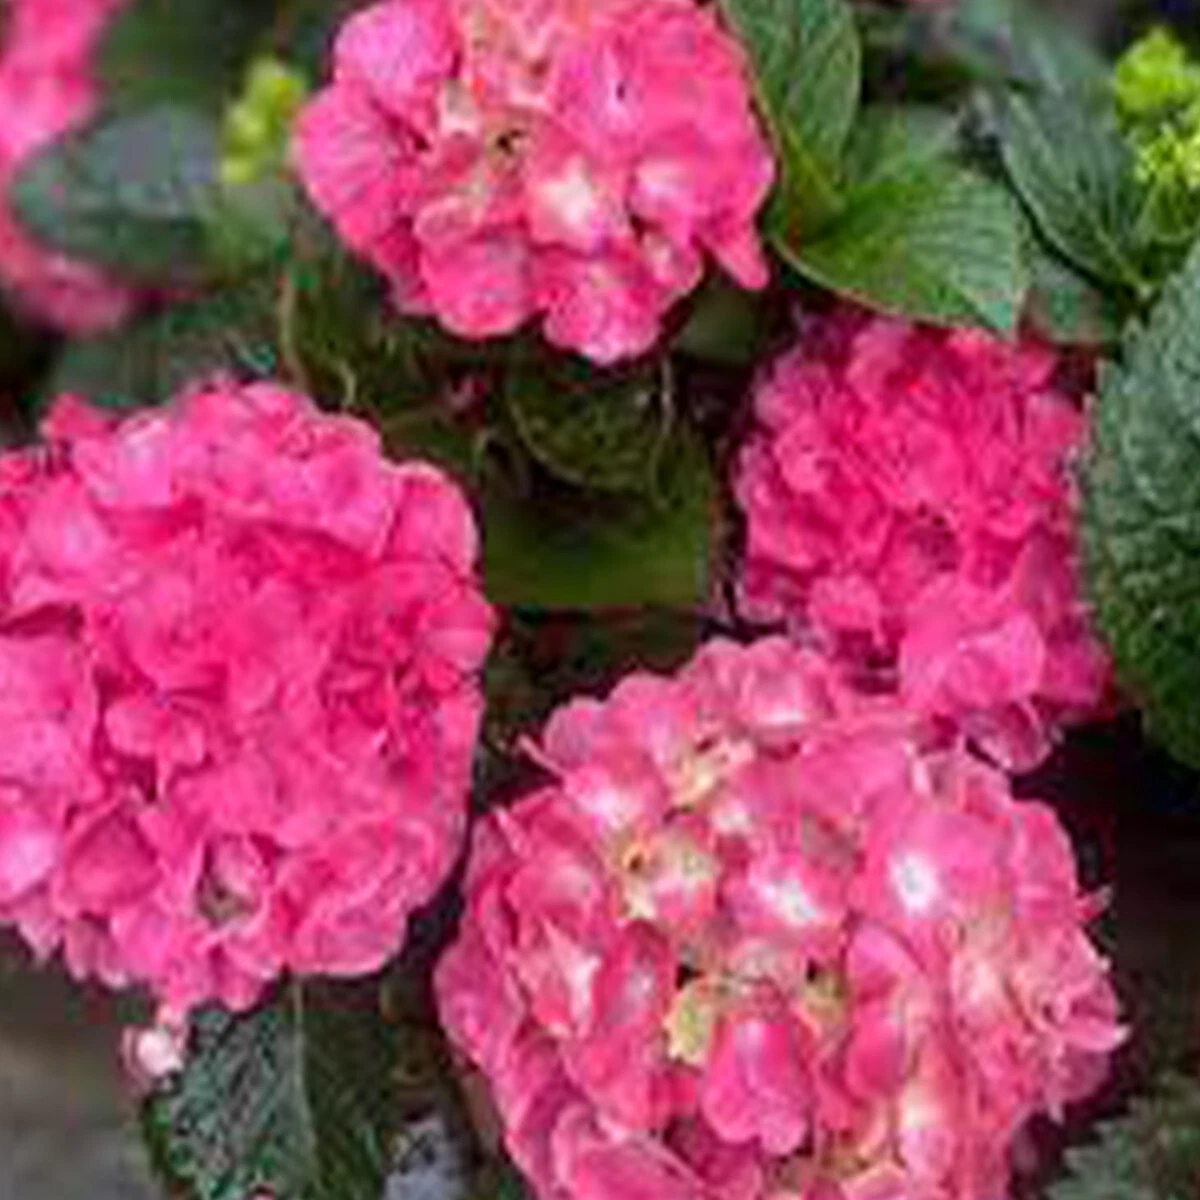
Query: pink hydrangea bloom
pixel 152 1054
pixel 501 160
pixel 760 940
pixel 238 655
pixel 909 504
pixel 47 89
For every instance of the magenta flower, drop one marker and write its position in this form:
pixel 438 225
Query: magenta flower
pixel 47 89
pixel 758 939
pixel 909 504
pixel 238 656
pixel 497 161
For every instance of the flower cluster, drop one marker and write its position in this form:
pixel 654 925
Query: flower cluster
pixel 237 656
pixel 501 160
pixel 1155 79
pixel 47 89
pixel 757 940
pixel 909 504
pixel 258 123
pixel 1156 84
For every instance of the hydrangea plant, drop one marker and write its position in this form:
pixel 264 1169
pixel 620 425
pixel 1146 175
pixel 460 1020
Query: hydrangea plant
pixel 594 594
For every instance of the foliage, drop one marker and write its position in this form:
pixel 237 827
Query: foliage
pixel 228 330
pixel 971 164
pixel 327 1091
pixel 1151 1153
pixel 1142 501
pixel 925 238
pixel 289 1098
pixel 133 192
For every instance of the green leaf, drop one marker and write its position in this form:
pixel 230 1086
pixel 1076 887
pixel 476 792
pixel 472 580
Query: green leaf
pixel 295 1097
pixel 1074 172
pixel 932 242
pixel 1142 513
pixel 727 325
pixel 251 226
pixel 599 429
pixel 329 1090
pixel 304 31
pixel 1020 42
pixel 889 139
pixel 1151 1153
pixel 1067 307
pixel 165 52
pixel 343 343
pixel 132 192
pixel 807 64
pixel 575 551
pixel 149 360
pixel 510 1187
pixel 542 660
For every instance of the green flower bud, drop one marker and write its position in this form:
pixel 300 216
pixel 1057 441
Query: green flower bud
pixel 1155 78
pixel 258 123
pixel 1170 158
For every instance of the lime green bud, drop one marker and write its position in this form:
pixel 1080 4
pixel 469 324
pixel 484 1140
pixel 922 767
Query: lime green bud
pixel 249 127
pixel 238 170
pixel 1170 159
pixel 1155 78
pixel 276 86
pixel 259 121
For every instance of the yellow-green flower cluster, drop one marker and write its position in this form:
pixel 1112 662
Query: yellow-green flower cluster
pixel 258 123
pixel 1157 86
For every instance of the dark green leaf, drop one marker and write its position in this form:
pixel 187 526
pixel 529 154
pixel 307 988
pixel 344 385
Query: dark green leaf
pixel 931 242
pixel 600 429
pixel 304 32
pixel 510 1187
pixel 542 660
pixel 149 360
pixel 346 346
pixel 727 325
pixel 1073 170
pixel 1151 1153
pixel 807 64
pixel 191 53
pixel 581 552
pixel 429 432
pixel 1068 308
pixel 1142 513
pixel 296 1097
pixel 132 192
pixel 1019 41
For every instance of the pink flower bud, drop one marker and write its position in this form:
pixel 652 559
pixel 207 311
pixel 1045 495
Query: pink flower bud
pixel 152 1054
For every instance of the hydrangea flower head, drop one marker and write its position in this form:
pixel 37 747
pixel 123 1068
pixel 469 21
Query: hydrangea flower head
pixel 47 89
pixel 758 940
pixel 573 160
pixel 237 683
pixel 909 504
